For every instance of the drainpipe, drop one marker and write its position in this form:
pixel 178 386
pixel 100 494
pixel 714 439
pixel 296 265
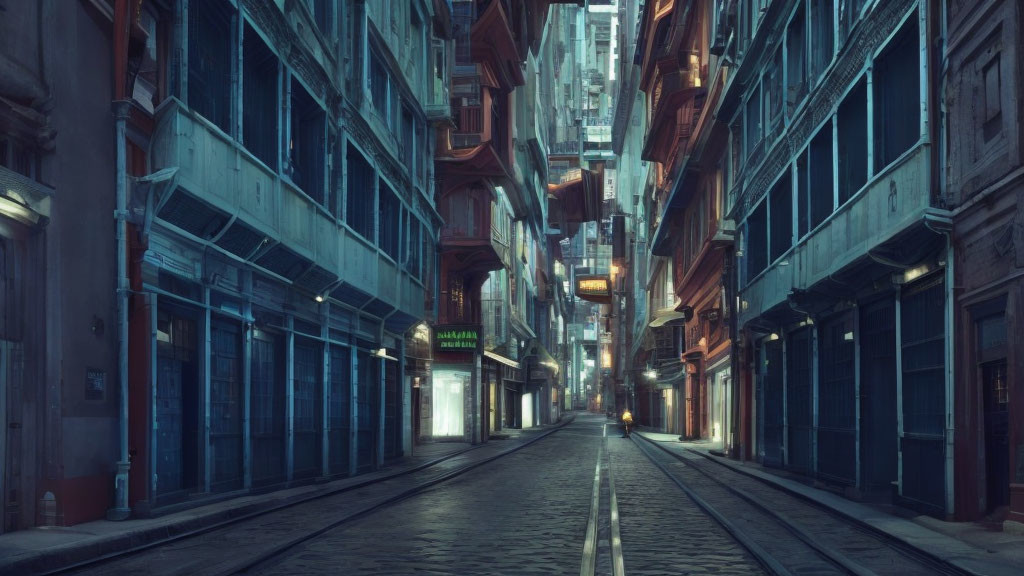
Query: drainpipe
pixel 121 510
pixel 121 107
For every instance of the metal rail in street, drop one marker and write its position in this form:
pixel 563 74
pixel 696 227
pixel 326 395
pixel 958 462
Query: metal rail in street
pixel 848 545
pixel 278 548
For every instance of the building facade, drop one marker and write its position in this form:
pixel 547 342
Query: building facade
pixel 984 183
pixel 283 242
pixel 683 75
pixel 844 283
pixel 58 332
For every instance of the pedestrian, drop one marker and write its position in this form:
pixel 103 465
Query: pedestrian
pixel 627 421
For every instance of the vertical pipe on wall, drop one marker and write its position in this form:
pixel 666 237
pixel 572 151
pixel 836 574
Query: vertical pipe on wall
pixel 121 109
pixel 206 385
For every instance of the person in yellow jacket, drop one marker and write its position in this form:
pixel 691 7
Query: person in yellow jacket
pixel 627 421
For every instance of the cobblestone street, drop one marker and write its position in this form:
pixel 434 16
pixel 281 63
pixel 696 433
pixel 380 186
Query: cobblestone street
pixel 522 514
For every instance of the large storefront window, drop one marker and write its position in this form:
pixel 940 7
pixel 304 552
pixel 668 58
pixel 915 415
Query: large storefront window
pixel 449 386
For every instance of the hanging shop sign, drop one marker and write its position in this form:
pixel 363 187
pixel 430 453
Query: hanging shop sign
pixel 456 337
pixel 595 288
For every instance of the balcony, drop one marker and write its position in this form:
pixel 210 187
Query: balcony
pixel 229 201
pixel 675 102
pixel 887 216
pixel 473 237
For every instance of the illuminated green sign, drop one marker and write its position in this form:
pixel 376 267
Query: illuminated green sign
pixel 456 338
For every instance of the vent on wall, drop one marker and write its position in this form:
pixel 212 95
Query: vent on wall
pixel 192 215
pixel 283 262
pixel 241 240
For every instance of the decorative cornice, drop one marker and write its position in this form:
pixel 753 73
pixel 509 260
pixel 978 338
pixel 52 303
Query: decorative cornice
pixel 275 25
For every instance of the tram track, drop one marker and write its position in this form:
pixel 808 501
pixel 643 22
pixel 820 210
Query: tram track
pixel 785 532
pixel 255 538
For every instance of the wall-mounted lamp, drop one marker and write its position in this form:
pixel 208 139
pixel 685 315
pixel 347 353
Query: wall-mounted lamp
pixel 319 298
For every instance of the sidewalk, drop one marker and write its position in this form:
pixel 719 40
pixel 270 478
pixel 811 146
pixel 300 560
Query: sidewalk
pixel 45 549
pixel 967 545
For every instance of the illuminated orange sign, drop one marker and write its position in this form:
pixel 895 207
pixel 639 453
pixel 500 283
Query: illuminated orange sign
pixel 594 288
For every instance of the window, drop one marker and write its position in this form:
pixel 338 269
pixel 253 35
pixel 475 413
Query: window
pixel 462 216
pixel 379 85
pixel 148 90
pixel 752 122
pixel 413 242
pixel 852 139
pixel 24 160
pixel 773 93
pixel 463 16
pixel 307 146
pixel 781 199
pixel 407 141
pixel 389 215
pixel 820 182
pixel 422 153
pixel 209 61
pixel 259 99
pixel 822 35
pixel 849 13
pixel 321 15
pixel 796 61
pixel 803 215
pixel 896 96
pixel 992 83
pixel 360 200
pixel 757 241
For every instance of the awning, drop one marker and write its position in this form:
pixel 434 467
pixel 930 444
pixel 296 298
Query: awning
pixel 501 359
pixel 669 316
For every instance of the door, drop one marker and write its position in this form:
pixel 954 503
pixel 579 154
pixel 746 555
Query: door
pixel 799 400
pixel 392 411
pixel 837 402
pixel 226 406
pixel 340 409
pixel 878 424
pixel 922 323
pixel 308 409
pixel 772 389
pixel 997 435
pixel 367 404
pixel 177 407
pixel 268 405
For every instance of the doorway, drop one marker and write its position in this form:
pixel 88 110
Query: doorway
pixel 177 406
pixel 878 417
pixel 772 388
pixel 992 370
pixel 226 405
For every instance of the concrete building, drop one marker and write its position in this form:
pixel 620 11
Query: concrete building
pixel 844 284
pixel 58 312
pixel 283 241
